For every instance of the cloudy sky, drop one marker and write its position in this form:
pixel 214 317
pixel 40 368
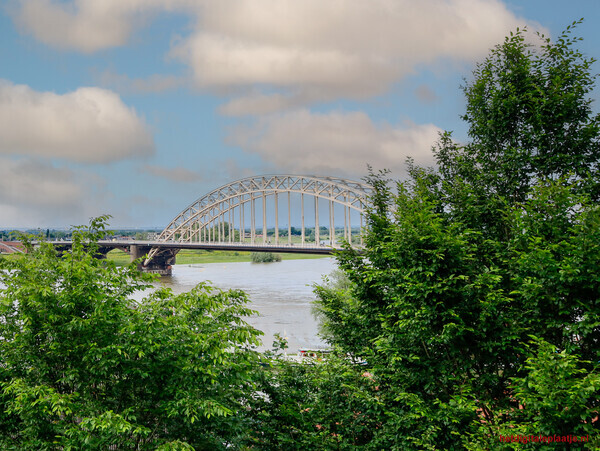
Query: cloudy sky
pixel 135 108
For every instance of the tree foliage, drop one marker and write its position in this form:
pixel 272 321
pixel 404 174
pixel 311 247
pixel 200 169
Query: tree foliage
pixel 84 366
pixel 530 118
pixel 465 264
pixel 264 257
pixel 473 312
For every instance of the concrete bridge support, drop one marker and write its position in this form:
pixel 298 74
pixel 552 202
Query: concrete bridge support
pixel 162 262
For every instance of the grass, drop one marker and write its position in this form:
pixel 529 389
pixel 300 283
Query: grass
pixel 193 256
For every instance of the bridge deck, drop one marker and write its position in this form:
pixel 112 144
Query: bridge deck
pixel 293 249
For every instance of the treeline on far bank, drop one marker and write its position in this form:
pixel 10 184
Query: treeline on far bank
pixel 151 234
pixel 61 234
pixel 470 321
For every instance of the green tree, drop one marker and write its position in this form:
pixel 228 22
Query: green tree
pixel 465 263
pixel 314 404
pixel 556 394
pixel 530 118
pixel 264 257
pixel 84 366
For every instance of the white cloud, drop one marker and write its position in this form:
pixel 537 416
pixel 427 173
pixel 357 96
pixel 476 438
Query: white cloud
pixel 35 194
pixel 90 125
pixel 155 83
pixel 305 51
pixel 87 25
pixel 257 103
pixel 304 142
pixel 220 171
pixel 316 51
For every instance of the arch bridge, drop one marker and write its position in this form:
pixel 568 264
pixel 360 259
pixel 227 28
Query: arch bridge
pixel 283 213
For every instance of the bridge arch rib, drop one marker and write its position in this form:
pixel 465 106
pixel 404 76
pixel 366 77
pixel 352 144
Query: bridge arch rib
pixel 212 217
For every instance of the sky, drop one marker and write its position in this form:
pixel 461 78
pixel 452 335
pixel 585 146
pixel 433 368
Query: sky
pixel 136 108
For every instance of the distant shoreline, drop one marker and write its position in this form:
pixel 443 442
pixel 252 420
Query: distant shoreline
pixel 192 256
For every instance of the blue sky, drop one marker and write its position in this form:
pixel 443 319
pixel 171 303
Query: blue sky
pixel 135 108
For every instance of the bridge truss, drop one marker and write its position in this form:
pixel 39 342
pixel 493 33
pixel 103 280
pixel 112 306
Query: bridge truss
pixel 231 213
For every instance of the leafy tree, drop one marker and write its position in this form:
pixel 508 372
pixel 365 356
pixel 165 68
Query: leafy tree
pixel 314 404
pixel 84 366
pixel 530 118
pixel 557 392
pixel 337 311
pixel 264 257
pixel 465 263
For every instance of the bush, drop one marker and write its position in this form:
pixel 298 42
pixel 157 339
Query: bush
pixel 264 257
pixel 86 367
pixel 476 302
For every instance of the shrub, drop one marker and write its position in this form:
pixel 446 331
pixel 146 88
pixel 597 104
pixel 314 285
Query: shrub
pixel 265 257
pixel 86 367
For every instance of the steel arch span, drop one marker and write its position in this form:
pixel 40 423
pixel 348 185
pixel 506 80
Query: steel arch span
pixel 229 214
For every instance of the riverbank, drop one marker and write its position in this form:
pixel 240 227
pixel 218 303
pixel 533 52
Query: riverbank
pixel 197 256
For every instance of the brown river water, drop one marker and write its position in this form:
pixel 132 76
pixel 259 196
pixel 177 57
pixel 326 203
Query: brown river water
pixel 281 292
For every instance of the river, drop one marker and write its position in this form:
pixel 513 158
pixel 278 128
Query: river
pixel 281 292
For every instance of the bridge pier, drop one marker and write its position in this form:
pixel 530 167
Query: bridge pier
pixel 162 263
